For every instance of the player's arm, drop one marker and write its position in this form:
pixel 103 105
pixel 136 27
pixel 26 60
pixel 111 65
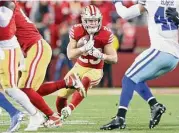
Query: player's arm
pixel 110 54
pixel 72 51
pixel 172 14
pixel 6 13
pixel 128 13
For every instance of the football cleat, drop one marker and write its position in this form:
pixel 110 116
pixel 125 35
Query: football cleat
pixel 156 113
pixel 53 121
pixel 74 81
pixel 65 113
pixel 70 81
pixel 15 122
pixel 116 123
pixel 35 122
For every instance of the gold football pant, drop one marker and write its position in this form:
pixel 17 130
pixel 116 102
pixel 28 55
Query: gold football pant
pixel 9 68
pixel 95 75
pixel 36 63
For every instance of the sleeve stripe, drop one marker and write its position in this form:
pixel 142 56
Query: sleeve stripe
pixel 111 37
pixel 71 33
pixel 110 40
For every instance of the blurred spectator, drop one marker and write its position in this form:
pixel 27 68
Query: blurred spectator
pixel 61 51
pixel 26 6
pixel 125 33
pixel 41 14
pixel 107 69
pixel 106 9
pixel 75 8
pixel 61 11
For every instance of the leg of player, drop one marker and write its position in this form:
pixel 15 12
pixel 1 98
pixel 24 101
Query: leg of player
pixel 149 65
pixel 87 75
pixel 34 97
pixel 53 118
pixel 9 75
pixel 72 81
pixel 157 109
pixel 36 119
pixel 16 115
pixel 37 60
pixel 75 81
pixel 76 99
pixel 51 87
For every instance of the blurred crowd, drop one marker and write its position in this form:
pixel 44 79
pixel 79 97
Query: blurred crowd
pixel 54 19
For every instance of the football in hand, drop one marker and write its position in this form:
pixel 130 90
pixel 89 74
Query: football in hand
pixel 82 41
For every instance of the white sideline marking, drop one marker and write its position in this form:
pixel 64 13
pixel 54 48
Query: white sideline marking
pixel 72 122
pixel 79 122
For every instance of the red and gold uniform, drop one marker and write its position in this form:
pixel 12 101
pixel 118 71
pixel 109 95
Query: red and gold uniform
pixel 87 65
pixel 37 52
pixel 10 46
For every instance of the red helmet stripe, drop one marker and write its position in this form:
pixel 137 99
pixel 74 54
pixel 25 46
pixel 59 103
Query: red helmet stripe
pixel 90 10
pixel 94 10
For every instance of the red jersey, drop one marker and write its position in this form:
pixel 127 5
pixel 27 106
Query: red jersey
pixel 8 32
pixel 103 37
pixel 27 33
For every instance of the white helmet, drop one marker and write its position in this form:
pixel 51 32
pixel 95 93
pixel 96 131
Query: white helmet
pixel 91 13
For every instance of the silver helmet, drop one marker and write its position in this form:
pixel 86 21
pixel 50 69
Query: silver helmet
pixel 91 19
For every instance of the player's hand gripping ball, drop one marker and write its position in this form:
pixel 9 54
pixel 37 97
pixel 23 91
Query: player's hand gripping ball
pixel 82 41
pixel 85 44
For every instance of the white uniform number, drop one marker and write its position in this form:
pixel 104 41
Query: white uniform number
pixel 91 61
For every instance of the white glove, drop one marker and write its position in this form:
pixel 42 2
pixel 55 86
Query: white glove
pixel 96 53
pixel 89 45
pixel 2 54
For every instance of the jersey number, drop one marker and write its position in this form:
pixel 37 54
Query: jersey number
pixel 91 61
pixel 160 18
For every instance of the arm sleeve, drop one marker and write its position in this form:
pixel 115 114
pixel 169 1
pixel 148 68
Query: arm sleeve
pixel 5 16
pixel 127 13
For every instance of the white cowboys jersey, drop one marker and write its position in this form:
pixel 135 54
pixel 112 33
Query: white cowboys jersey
pixel 162 31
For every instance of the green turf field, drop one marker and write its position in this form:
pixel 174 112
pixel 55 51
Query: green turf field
pixel 97 110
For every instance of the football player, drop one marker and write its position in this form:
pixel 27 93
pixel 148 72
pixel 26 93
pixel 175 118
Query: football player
pixel 37 57
pixel 160 58
pixel 10 55
pixel 90 57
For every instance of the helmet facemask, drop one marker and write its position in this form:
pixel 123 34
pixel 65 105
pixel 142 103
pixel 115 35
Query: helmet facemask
pixel 91 19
